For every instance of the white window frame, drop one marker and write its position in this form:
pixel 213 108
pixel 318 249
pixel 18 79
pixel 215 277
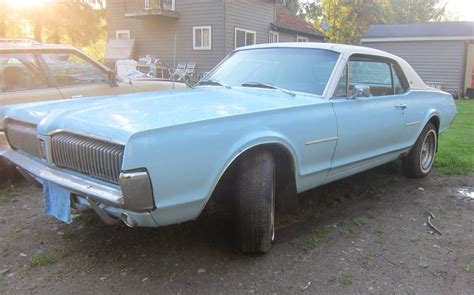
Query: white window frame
pixel 118 32
pixel 246 32
pixel 271 35
pixel 299 38
pixel 147 5
pixel 202 47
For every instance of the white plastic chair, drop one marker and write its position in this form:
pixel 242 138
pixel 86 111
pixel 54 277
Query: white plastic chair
pixel 191 69
pixel 180 72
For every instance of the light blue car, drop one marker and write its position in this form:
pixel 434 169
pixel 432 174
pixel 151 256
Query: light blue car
pixel 268 122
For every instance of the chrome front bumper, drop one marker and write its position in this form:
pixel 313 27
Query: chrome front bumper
pixel 98 192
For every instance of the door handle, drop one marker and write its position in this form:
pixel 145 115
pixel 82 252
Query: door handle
pixel 77 96
pixel 401 106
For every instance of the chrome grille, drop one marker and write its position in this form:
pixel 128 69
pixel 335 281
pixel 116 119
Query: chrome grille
pixel 22 136
pixel 91 156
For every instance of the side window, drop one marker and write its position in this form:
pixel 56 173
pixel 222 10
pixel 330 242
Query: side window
pixel 69 69
pixel 398 87
pixel 375 74
pixel 20 72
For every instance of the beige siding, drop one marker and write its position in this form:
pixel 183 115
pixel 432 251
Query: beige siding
pixel 434 61
pixel 254 15
pixel 155 35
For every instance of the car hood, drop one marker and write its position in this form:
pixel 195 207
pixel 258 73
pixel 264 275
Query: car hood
pixel 118 117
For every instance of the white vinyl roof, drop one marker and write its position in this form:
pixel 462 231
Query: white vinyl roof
pixel 346 51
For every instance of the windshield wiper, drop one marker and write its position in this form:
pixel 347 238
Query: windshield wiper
pixel 268 86
pixel 212 83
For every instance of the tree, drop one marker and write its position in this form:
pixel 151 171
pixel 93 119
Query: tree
pixel 346 20
pixel 414 11
pixel 80 22
pixel 292 5
pixel 3 18
pixel 73 21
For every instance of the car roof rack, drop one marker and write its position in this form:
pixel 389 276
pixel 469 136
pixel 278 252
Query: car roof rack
pixel 20 40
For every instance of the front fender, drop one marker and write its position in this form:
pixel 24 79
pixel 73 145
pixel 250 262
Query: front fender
pixel 184 179
pixel 186 161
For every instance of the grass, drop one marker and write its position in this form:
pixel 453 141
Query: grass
pixel 360 221
pixel 346 278
pixel 3 194
pixel 318 236
pixel 39 260
pixel 456 145
pixel 467 267
pixel 424 264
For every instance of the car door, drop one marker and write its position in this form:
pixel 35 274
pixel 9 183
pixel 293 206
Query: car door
pixel 371 124
pixel 77 76
pixel 22 79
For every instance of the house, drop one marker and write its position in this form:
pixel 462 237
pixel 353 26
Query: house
pixel 441 53
pixel 202 31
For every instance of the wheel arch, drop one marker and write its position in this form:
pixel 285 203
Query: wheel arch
pixel 436 121
pixel 286 168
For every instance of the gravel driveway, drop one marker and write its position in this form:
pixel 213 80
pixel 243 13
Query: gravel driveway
pixel 365 234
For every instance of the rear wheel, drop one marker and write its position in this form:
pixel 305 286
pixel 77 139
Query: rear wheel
pixel 255 192
pixel 419 162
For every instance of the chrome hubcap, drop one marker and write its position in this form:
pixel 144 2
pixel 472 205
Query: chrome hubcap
pixel 428 150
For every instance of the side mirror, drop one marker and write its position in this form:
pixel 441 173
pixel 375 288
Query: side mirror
pixel 112 79
pixel 361 90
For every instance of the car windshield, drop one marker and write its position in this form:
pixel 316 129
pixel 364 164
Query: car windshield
pixel 293 69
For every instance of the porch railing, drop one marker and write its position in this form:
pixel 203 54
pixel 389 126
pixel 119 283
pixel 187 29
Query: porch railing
pixel 143 6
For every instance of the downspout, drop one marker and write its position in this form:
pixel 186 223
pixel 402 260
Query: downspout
pixel 225 29
pixel 464 69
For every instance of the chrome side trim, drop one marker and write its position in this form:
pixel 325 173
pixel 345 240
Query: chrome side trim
pixel 321 140
pixel 413 123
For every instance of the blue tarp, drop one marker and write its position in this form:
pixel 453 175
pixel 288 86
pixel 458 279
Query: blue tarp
pixel 57 202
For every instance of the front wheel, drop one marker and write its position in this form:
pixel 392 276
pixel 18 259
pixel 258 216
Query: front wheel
pixel 255 192
pixel 419 161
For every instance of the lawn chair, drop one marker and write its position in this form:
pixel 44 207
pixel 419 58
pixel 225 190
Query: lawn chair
pixel 190 70
pixel 201 75
pixel 179 73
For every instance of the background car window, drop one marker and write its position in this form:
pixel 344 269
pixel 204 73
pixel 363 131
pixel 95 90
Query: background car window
pixel 69 69
pixel 376 75
pixel 20 72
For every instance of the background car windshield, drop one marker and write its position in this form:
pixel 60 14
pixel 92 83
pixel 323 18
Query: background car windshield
pixel 69 69
pixel 297 69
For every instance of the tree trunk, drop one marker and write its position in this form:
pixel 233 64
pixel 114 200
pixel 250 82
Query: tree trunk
pixel 3 16
pixel 2 27
pixel 38 30
pixel 56 36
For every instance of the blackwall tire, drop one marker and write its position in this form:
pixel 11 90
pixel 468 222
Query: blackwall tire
pixel 255 192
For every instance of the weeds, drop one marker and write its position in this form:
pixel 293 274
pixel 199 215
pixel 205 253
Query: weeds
pixel 360 221
pixel 424 264
pixel 346 278
pixel 47 259
pixel 318 236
